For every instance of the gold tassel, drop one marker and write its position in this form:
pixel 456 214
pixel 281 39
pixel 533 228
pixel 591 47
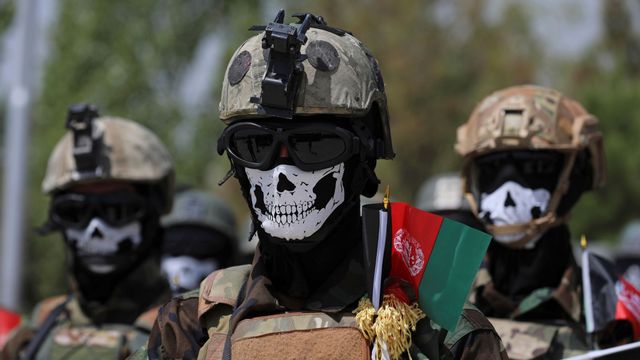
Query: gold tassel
pixel 391 325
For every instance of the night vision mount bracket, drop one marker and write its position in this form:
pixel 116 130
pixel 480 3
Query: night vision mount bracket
pixel 282 42
pixel 87 143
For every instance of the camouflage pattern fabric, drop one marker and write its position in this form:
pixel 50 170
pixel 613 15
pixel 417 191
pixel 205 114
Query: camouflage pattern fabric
pixel 76 337
pixel 176 335
pixel 544 325
pixel 97 332
pixel 130 153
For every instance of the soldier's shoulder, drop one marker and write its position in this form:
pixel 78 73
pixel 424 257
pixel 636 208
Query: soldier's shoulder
pixel 223 286
pixel 471 320
pixel 45 307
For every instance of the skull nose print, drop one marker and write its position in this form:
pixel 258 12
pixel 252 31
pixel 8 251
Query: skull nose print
pixel 284 184
pixel 509 200
pixel 96 233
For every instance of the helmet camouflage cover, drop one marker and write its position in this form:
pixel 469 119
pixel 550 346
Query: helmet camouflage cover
pixel 127 152
pixel 194 207
pixel 338 76
pixel 531 117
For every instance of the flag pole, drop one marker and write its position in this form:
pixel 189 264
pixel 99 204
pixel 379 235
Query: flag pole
pixel 586 292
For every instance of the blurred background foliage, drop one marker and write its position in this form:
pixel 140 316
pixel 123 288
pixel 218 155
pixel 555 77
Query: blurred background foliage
pixel 136 59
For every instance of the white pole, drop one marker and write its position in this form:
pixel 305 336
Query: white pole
pixel 16 143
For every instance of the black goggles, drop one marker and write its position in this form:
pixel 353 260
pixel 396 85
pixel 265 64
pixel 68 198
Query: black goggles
pixel 116 209
pixel 540 167
pixel 311 147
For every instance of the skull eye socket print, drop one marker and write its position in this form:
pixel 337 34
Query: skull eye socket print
pixel 512 204
pixel 293 204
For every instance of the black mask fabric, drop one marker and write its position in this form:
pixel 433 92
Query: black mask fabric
pixel 518 272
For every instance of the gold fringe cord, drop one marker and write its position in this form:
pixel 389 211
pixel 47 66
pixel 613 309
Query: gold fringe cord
pixel 391 325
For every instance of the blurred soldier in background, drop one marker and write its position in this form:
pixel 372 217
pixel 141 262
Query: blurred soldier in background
pixel 530 153
pixel 442 194
pixel 628 253
pixel 247 243
pixel 199 238
pixel 110 180
pixel 307 120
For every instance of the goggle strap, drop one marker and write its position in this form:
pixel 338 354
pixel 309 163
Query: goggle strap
pixel 230 173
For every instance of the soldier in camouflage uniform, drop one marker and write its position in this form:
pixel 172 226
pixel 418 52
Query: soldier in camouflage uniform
pixel 442 194
pixel 109 180
pixel 530 152
pixel 307 120
pixel 199 238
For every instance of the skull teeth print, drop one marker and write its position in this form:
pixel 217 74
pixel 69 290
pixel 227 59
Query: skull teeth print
pixel 292 204
pixel 290 213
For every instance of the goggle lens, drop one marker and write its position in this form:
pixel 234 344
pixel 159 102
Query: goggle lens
pixel 310 147
pixel 76 210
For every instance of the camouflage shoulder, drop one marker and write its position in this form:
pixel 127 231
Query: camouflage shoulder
pixel 191 294
pixel 44 308
pixel 223 286
pixel 527 340
pixel 471 320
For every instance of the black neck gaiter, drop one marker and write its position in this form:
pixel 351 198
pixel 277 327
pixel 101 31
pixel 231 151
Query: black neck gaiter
pixel 298 274
pixel 518 272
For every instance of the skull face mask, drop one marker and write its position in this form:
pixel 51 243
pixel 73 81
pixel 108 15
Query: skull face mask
pixel 292 204
pixel 511 204
pixel 103 248
pixel 185 272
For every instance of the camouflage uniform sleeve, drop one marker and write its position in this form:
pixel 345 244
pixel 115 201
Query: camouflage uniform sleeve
pixel 473 338
pixel 480 344
pixel 176 333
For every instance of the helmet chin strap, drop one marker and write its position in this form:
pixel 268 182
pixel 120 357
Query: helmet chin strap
pixel 536 227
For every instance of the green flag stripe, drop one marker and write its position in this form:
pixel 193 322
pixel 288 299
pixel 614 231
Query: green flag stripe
pixel 454 261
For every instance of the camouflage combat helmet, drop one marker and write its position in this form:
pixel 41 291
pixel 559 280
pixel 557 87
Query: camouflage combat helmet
pixel 442 192
pixel 194 207
pixel 530 117
pixel 108 148
pixel 327 71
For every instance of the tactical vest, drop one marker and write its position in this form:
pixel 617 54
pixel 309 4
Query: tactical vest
pixel 285 335
pixel 74 337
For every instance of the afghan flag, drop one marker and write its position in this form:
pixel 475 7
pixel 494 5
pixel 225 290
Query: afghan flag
pixel 438 257
pixel 628 305
pixel 608 297
pixel 8 322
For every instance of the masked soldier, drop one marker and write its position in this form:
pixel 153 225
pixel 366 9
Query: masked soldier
pixel 109 180
pixel 199 238
pixel 307 119
pixel 530 152
pixel 442 194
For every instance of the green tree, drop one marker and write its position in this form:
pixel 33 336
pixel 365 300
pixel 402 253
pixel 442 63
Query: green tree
pixel 606 82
